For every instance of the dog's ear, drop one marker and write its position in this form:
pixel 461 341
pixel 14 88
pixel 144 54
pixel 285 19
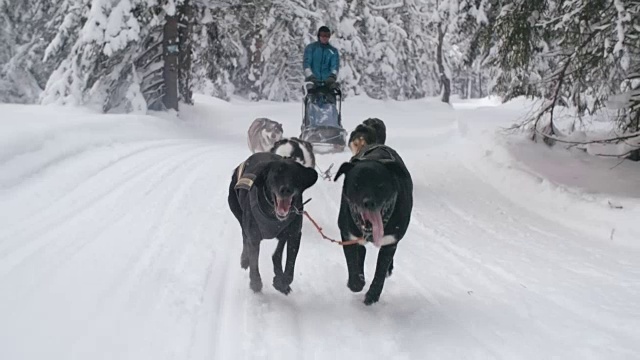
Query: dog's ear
pixel 276 144
pixel 308 177
pixel 344 168
pixel 395 168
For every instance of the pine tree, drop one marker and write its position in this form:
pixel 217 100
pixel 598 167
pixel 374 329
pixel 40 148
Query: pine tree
pixel 281 76
pixel 384 41
pixel 570 53
pixel 349 41
pixel 469 78
pixel 28 27
pixel 116 60
pixel 217 53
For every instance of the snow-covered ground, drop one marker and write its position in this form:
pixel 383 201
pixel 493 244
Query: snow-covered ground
pixel 116 242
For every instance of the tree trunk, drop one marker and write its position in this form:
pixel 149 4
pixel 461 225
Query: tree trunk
pixel 635 154
pixel 171 52
pixel 445 82
pixel 480 93
pixel 184 33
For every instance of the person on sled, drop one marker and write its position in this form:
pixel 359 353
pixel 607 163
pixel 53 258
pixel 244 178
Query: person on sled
pixel 321 61
pixel 321 64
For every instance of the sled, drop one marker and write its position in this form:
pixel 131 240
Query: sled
pixel 322 118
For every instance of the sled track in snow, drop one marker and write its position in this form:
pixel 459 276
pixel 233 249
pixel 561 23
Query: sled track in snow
pixel 129 251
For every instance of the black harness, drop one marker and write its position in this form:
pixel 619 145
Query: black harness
pixel 260 200
pixel 368 149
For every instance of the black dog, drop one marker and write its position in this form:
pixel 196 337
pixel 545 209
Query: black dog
pixel 376 205
pixel 371 131
pixel 380 128
pixel 265 195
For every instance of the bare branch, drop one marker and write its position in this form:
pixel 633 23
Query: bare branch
pixel 598 141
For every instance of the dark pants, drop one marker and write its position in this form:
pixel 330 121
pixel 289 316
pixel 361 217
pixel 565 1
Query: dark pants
pixel 317 93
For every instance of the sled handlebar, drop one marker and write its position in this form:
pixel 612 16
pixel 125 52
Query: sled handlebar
pixel 320 86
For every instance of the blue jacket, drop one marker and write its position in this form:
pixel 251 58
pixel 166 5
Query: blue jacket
pixel 321 60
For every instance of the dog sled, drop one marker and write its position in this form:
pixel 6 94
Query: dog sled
pixel 322 118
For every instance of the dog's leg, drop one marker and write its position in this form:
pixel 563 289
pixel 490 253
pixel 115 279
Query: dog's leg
pixel 277 258
pixel 244 257
pixel 279 282
pixel 293 245
pixel 385 258
pixel 355 255
pixel 283 281
pixel 252 248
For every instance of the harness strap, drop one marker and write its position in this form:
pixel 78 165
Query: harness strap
pixel 244 182
pixel 362 154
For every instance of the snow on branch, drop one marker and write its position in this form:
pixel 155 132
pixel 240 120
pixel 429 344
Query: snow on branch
pixel 393 5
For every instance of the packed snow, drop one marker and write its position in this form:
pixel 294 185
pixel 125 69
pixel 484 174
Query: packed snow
pixel 116 242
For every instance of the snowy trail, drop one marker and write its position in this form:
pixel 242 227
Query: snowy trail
pixel 125 248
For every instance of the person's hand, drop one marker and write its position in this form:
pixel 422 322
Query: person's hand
pixel 311 78
pixel 331 79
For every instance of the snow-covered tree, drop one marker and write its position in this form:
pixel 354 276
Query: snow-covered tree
pixel 217 51
pixel 114 63
pixel 27 27
pixel 570 53
pixel 282 50
pixel 109 53
pixel 470 79
pixel 255 49
pixel 385 40
pixel 345 19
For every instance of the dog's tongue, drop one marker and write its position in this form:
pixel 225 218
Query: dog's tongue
pixel 377 229
pixel 283 205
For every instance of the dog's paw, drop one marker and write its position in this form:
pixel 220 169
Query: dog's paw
pixel 281 283
pixel 256 285
pixel 244 261
pixel 371 297
pixel 356 284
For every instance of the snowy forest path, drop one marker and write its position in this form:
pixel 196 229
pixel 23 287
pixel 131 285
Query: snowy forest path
pixel 126 249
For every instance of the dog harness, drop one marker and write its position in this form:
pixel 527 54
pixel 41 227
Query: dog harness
pixel 244 182
pixel 247 173
pixel 368 149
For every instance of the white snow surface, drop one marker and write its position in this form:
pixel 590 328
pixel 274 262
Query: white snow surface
pixel 116 242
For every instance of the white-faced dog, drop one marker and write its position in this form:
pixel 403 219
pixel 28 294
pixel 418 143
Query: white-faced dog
pixel 262 134
pixel 299 150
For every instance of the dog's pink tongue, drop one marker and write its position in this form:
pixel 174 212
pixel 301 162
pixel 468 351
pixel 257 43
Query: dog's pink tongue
pixel 377 229
pixel 283 206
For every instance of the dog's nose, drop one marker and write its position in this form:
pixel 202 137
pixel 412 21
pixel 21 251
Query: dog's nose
pixel 285 191
pixel 368 203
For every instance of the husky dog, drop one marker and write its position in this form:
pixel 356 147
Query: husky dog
pixel 299 150
pixel 262 134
